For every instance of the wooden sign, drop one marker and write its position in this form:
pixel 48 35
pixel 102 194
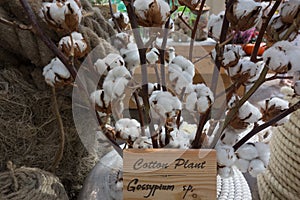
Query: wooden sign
pixel 171 174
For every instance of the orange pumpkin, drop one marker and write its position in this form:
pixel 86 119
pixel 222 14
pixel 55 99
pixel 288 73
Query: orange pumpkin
pixel 248 48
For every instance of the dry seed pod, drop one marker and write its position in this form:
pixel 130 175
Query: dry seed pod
pixel 151 13
pixel 289 10
pixel 79 45
pixel 245 71
pixel 56 73
pixel 273 107
pixel 244 14
pixel 246 115
pixel 62 15
pixel 122 20
pixel 277 29
pixel 101 101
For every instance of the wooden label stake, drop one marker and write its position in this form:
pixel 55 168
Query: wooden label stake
pixel 171 174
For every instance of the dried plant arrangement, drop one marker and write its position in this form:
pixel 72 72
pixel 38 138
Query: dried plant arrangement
pixel 161 104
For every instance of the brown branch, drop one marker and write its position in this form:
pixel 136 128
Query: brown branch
pixel 60 151
pixel 69 65
pixel 113 17
pixel 194 31
pixel 262 31
pixel 257 129
pixel 143 61
pixel 15 24
pixel 200 136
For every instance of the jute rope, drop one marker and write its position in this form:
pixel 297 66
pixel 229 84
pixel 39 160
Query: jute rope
pixel 281 180
pixel 233 188
pixel 30 183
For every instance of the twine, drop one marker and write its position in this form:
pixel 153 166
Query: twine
pixel 233 188
pixel 281 180
pixel 30 183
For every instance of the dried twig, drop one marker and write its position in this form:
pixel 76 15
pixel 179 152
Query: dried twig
pixel 257 129
pixel 15 24
pixel 60 151
pixel 69 65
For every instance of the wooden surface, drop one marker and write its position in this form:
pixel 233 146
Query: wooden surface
pixel 169 174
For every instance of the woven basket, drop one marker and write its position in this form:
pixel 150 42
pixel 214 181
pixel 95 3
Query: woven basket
pixel 233 188
pixel 282 177
pixel 30 184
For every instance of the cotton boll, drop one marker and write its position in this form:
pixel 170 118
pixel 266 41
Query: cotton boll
pixel 142 143
pixel 289 10
pixel 203 104
pixel 62 15
pixel 232 54
pixel 163 105
pixel 171 54
pixel 277 57
pixel 248 152
pixel 242 165
pixel 198 98
pixel 244 14
pixel 128 129
pixel 120 40
pixel 249 113
pixel 114 60
pixel 100 67
pixel 152 56
pixel 179 79
pixel 214 25
pixel 229 137
pixel 131 56
pixel 56 12
pixel 116 81
pixel 225 155
pixel 151 13
pixel 297 87
pixel 273 107
pixel 56 73
pixel 99 98
pixel 49 76
pixel 245 70
pixel 225 172
pixel 179 140
pixel 256 167
pixel 263 151
pixel 184 64
pixel 79 45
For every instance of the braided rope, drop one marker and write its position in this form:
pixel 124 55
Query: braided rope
pixel 30 183
pixel 233 188
pixel 281 180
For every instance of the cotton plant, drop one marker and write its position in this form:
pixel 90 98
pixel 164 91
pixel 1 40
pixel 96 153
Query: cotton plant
pixel 244 14
pixel 164 106
pixel 282 57
pixel 56 73
pixel 253 158
pixel 151 13
pixel 245 71
pixel 62 15
pixel 74 45
pixel 181 73
pixel 214 25
pixel 112 60
pixel 272 107
pixel 128 129
pixel 131 56
pixel 231 55
pixel 198 99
